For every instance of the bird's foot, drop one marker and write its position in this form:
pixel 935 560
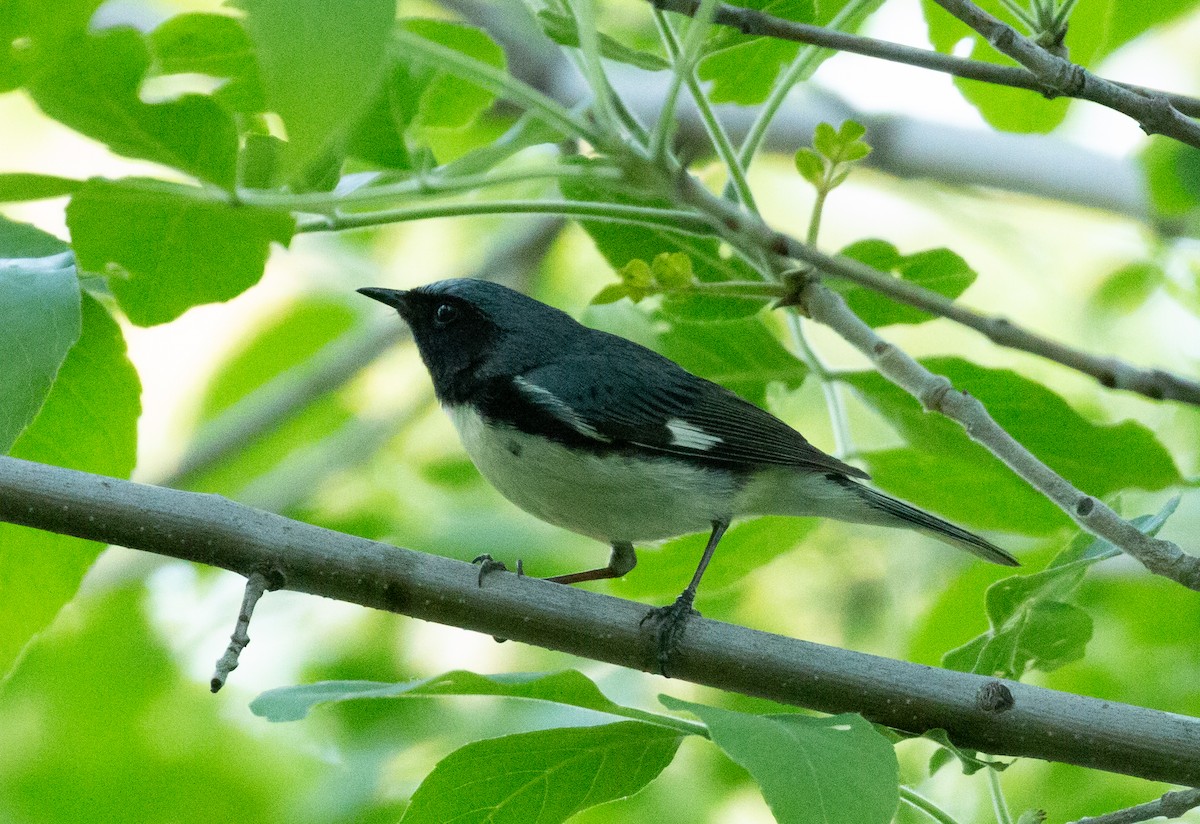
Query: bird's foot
pixel 669 623
pixel 488 564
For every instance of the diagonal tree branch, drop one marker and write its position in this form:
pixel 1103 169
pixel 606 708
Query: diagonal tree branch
pixel 1037 77
pixel 209 529
pixel 1171 805
pixel 935 392
pixel 1152 110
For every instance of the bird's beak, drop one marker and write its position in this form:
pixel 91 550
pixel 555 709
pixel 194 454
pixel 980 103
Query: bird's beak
pixel 395 298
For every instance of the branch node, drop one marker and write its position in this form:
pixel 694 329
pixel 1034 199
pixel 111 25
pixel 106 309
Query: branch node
pixel 257 583
pixel 995 697
pixel 934 393
pixel 1085 506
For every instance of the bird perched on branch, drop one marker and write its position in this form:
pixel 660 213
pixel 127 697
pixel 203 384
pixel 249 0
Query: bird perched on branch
pixel 606 438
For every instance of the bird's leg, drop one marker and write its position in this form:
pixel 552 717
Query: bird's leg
pixel 670 620
pixel 488 565
pixel 620 562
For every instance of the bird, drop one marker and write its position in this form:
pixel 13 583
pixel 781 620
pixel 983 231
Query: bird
pixel 604 437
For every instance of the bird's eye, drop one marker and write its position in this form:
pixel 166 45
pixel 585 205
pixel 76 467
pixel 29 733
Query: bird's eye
pixel 445 314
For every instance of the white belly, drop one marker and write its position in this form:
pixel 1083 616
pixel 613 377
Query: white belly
pixel 610 499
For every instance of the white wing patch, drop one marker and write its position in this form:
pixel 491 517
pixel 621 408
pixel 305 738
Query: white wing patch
pixel 559 408
pixel 690 436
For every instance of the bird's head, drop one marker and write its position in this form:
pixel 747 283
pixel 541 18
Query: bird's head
pixel 470 330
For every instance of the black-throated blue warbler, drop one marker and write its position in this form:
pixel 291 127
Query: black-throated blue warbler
pixel 604 437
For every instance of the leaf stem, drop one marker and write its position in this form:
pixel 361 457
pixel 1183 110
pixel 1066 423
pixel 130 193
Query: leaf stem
pixel 712 125
pixel 676 220
pixel 685 66
pixel 919 802
pixel 1003 816
pixel 498 82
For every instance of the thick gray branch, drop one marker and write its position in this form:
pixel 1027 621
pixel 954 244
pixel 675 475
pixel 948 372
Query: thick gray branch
pixel 1040 723
pixel 1171 805
pixel 1059 77
pixel 750 21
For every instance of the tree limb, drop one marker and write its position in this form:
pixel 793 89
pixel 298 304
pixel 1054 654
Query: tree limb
pixel 208 529
pixel 1153 110
pixel 1171 805
pixel 1037 75
pixel 934 391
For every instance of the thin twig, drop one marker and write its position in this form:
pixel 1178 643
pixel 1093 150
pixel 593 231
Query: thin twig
pixel 749 21
pixel 1042 723
pixel 934 391
pixel 256 585
pixel 1171 805
pixel 1058 77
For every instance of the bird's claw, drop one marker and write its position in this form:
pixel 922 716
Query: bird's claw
pixel 669 623
pixel 488 564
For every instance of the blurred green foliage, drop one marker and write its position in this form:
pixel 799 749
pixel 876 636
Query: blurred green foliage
pixel 312 114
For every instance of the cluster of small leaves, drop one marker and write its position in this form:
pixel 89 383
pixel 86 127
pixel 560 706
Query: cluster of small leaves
pixel 549 775
pixel 639 279
pixel 1034 623
pixel 833 154
pixel 1046 21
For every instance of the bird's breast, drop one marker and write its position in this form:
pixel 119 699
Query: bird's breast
pixel 614 496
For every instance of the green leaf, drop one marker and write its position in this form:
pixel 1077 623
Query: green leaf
pixel 1126 289
pixel 92 86
pixel 39 323
pixel 34 34
pixel 16 186
pixel 1097 29
pixel 611 294
pixel 320 64
pixel 545 776
pixel 1173 174
pixel 177 251
pixel 744 68
pixel 826 141
pixel 567 687
pixel 1032 622
pixel 88 422
pixel 696 306
pixel 834 770
pixel 561 29
pixel 1038 418
pixel 810 166
pixel 20 240
pixel 215 45
pixel 969 760
pixel 939 270
pixel 435 98
pixel 673 270
pixel 741 355
pixel 747 546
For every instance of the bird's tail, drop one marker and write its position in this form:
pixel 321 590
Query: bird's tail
pixel 895 509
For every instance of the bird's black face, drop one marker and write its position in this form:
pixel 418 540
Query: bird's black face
pixel 453 336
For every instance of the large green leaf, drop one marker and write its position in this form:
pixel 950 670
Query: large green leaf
pixel 545 776
pixel 215 45
pixel 92 85
pixel 1097 29
pixel 1033 622
pixel 34 34
pixel 938 270
pixel 25 186
pixel 567 687
pixel 834 770
pixel 1098 458
pixel 1173 174
pixel 172 251
pixel 88 422
pixel 743 68
pixel 320 65
pixel 39 322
